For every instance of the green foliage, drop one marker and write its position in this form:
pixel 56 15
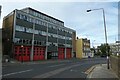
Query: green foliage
pixel 105 49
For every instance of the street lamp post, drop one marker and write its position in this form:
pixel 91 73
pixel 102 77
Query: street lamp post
pixel 105 32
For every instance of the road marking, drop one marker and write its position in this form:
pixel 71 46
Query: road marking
pixel 17 72
pixel 54 72
pixel 90 70
pixel 56 65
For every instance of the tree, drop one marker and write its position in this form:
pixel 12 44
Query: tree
pixel 105 49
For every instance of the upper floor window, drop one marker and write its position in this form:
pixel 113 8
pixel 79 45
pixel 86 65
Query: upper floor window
pixel 19 28
pixel 18 15
pixel 44 33
pixel 36 32
pixel 29 30
pixel 16 40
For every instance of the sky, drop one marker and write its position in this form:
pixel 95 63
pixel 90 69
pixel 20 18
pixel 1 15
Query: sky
pixel 73 14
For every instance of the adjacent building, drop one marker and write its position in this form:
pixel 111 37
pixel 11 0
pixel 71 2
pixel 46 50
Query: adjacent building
pixel 83 48
pixel 92 52
pixel 32 35
pixel 115 48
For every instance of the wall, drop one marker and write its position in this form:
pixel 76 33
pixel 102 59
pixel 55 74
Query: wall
pixel 115 64
pixel 74 41
pixel 79 48
pixel 7 34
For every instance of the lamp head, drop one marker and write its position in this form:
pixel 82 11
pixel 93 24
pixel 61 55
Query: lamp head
pixel 89 10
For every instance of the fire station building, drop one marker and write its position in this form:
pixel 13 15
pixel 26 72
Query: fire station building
pixel 29 34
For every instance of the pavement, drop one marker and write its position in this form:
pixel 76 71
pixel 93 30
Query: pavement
pixel 101 72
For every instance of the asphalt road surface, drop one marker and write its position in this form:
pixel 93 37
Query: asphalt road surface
pixel 73 68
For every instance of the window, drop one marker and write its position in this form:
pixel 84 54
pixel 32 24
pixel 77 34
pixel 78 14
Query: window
pixel 31 12
pixel 20 41
pixel 35 42
pixel 28 19
pixel 36 13
pixel 49 25
pixel 24 17
pixel 29 30
pixel 27 41
pixel 45 23
pixel 44 33
pixel 40 22
pixel 39 43
pixel 45 18
pixel 16 40
pixel 19 28
pixel 21 16
pixel 30 41
pixel 49 34
pixel 36 21
pixel 40 32
pixel 23 41
pixel 36 32
pixel 18 15
pixel 41 16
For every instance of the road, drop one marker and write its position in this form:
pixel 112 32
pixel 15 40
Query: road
pixel 73 68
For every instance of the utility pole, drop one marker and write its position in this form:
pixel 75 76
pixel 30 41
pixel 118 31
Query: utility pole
pixel 105 33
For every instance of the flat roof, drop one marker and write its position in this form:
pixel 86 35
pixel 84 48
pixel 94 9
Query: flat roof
pixel 42 13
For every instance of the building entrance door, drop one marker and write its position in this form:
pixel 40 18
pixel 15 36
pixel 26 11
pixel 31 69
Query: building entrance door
pixel 49 55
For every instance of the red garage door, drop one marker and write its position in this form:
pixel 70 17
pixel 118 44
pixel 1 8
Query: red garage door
pixel 22 53
pixel 68 53
pixel 61 53
pixel 35 52
pixel 39 53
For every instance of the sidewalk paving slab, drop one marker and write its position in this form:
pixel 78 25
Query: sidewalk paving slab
pixel 100 72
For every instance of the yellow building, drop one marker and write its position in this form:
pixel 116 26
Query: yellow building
pixel 83 48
